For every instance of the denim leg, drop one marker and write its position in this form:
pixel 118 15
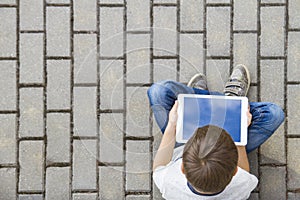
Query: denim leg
pixel 266 118
pixel 162 96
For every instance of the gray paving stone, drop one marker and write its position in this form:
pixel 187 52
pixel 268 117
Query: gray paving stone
pixel 217 1
pixel 111 137
pixel 294 15
pixel 252 94
pixel 31 112
pixel 272 183
pixel 293 196
pixel 8 138
pixel 138 176
pixel 245 52
pixel 271 90
pixel 164 31
pixel 89 196
pixel 191 17
pixel 85 113
pixel 138 197
pixel 30 197
pixel 58 183
pixel 11 2
pixel 31 165
pixel 254 196
pixel 58 137
pixel 272 1
pixel 272 31
pixel 245 15
pixel 253 161
pixel 293 163
pixel 58 31
pixel 111 84
pixel 138 15
pixel 112 1
pixel 31 58
pixel 85 58
pixel 137 115
pixel 164 69
pixel 138 58
pixel 191 56
pixel 31 15
pixel 58 85
pixel 8 85
pixel 156 193
pixel 85 15
pixel 293 56
pixel 273 150
pixel 8 32
pixel 8 183
pixel 218 31
pixel 111 187
pixel 217 73
pixel 111 31
pixel 293 101
pixel 84 164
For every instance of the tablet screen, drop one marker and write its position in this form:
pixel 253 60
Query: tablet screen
pixel 224 113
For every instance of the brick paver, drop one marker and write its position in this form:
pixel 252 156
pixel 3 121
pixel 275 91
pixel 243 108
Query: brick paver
pixel 74 116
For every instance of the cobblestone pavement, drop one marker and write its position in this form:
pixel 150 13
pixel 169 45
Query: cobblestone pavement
pixel 74 115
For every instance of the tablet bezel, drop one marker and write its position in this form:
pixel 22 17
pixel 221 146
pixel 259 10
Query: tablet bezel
pixel 244 123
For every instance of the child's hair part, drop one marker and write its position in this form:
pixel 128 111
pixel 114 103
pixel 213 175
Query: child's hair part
pixel 210 159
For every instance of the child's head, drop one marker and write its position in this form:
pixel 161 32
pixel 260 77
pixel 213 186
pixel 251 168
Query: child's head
pixel 210 159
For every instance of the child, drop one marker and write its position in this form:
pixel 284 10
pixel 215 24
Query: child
pixel 209 165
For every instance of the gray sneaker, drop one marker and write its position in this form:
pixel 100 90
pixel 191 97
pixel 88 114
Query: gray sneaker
pixel 239 82
pixel 198 81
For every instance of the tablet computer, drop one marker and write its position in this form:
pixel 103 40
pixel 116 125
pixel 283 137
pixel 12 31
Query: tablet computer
pixel 227 112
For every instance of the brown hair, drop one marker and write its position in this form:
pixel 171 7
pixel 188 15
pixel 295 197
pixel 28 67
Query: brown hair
pixel 210 159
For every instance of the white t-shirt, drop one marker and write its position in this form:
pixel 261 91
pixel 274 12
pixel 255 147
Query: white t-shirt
pixel 173 185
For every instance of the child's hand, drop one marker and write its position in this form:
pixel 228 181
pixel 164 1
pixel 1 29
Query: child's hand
pixel 249 116
pixel 173 114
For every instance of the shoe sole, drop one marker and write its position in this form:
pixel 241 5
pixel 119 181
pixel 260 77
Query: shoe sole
pixel 248 76
pixel 193 78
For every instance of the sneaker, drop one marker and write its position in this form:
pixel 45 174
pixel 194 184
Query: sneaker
pixel 198 81
pixel 239 82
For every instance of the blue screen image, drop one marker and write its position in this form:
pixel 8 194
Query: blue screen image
pixel 199 112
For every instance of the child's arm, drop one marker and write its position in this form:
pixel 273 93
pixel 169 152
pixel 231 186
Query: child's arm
pixel 243 161
pixel 243 158
pixel 165 151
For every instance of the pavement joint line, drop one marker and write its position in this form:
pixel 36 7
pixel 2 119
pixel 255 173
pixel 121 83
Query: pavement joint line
pixel 244 31
pixel 58 57
pixel 85 137
pixel 204 36
pixel 272 4
pixel 31 85
pixel 59 164
pixel 8 112
pixel 164 4
pixel 110 5
pixel 85 85
pixel 105 111
pixel 58 4
pixel 58 111
pixel 138 84
pixel 137 192
pixel 293 82
pixel 8 6
pixel 111 58
pixel 8 58
pixel 145 138
pixel 294 30
pixel 219 57
pixel 231 35
pixel 31 31
pixel 31 192
pixel 258 87
pixel 111 164
pixel 218 5
pixel 85 191
pixel 85 32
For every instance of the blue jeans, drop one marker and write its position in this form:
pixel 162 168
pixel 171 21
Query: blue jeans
pixel 266 117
